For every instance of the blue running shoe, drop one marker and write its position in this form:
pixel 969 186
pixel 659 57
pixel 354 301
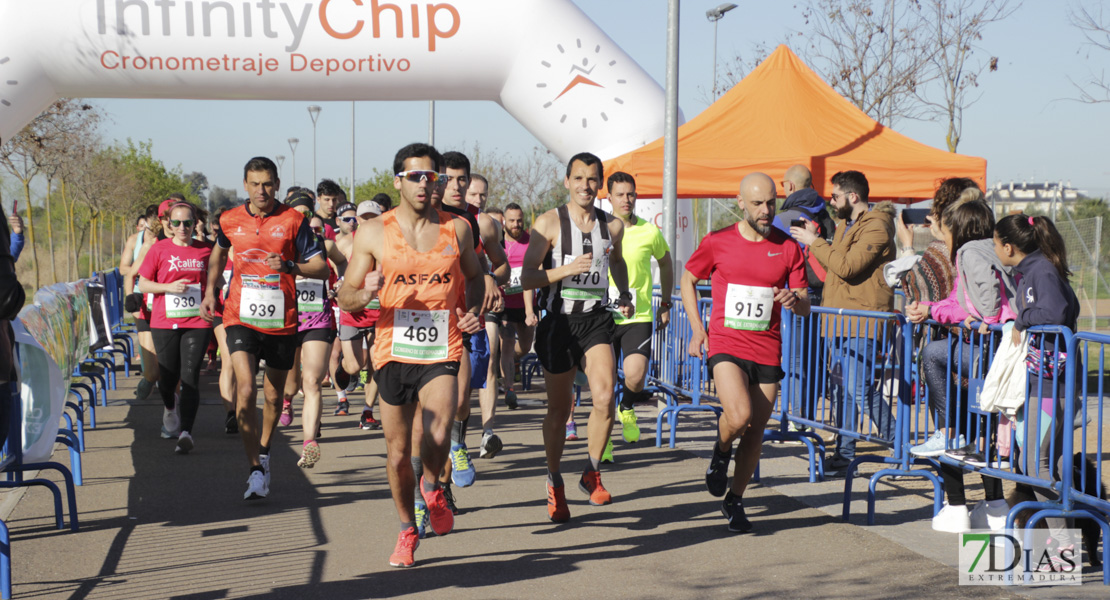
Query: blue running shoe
pixel 934 446
pixel 462 468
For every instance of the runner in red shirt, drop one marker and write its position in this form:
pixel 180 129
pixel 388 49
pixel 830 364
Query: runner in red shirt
pixel 175 273
pixel 744 340
pixel 273 245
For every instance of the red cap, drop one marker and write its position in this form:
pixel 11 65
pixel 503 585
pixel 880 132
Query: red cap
pixel 164 208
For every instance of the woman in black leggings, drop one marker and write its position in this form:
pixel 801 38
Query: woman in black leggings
pixel 175 270
pixel 981 293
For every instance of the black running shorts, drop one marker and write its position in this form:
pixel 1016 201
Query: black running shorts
pixel 562 340
pixel 633 338
pixel 756 372
pixel 321 334
pixel 400 383
pixel 277 350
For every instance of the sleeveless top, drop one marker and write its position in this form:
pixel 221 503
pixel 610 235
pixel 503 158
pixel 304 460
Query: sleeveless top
pixel 587 291
pixel 138 247
pixel 419 295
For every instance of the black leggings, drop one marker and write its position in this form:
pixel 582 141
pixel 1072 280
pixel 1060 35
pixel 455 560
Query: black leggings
pixel 180 352
pixel 954 485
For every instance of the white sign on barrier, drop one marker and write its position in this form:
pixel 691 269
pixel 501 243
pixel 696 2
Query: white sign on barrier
pixel 544 61
pixel 651 210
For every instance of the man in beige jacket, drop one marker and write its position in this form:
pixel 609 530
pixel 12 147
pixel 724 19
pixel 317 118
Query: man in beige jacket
pixel 863 244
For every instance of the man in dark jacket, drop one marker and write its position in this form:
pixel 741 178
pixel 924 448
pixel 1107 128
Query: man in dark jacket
pixel 803 202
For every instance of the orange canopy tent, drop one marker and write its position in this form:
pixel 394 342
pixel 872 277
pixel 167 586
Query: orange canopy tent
pixel 783 114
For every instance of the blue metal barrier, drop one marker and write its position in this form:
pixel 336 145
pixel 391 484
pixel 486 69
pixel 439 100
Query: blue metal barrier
pixel 679 376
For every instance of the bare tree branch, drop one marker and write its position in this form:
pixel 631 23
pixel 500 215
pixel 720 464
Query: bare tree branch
pixel 1095 25
pixel 876 54
pixel 957 27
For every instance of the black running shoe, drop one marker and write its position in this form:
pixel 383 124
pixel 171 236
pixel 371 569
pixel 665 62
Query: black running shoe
pixel 968 454
pixel 343 408
pixel 231 425
pixel 447 495
pixel 716 476
pixel 733 509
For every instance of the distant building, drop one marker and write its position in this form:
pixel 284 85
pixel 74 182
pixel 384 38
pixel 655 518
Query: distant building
pixel 1017 196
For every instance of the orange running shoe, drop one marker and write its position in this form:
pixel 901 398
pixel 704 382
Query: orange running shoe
pixel 439 514
pixel 591 484
pixel 407 543
pixel 557 509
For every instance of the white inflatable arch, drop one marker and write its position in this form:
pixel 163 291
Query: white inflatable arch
pixel 544 61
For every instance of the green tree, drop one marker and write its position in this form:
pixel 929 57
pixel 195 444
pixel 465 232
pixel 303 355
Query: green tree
pixel 380 182
pixel 154 181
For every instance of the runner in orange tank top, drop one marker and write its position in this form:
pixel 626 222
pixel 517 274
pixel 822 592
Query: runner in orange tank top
pixel 417 261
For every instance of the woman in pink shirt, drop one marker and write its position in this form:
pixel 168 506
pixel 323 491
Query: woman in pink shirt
pixel 982 292
pixel 175 271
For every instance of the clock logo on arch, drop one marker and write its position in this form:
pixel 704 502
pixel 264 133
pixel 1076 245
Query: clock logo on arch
pixel 582 84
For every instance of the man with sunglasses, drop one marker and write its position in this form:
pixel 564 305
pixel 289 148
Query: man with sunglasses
pixel 347 222
pixel 854 261
pixel 475 363
pixel 420 264
pixel 356 336
pixel 273 244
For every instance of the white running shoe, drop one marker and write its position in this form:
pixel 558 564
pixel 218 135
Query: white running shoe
pixel 184 443
pixel 265 460
pixel 952 519
pixel 256 486
pixel 989 515
pixel 171 424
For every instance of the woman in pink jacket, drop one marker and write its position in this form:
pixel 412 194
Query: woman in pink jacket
pixel 982 291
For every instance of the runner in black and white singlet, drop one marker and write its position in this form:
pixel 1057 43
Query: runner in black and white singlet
pixel 570 252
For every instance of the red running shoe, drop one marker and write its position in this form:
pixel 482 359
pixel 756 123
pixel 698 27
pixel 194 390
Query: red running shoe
pixel 439 514
pixel 557 509
pixel 407 543
pixel 591 484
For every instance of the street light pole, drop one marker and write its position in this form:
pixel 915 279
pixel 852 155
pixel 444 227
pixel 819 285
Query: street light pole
pixel 431 122
pixel 670 131
pixel 293 148
pixel 314 112
pixel 714 15
pixel 280 160
pixel 352 194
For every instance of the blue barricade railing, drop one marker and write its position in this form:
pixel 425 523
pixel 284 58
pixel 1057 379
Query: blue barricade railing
pixel 676 374
pixel 876 361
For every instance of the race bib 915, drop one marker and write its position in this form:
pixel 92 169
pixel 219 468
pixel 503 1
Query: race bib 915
pixel 748 308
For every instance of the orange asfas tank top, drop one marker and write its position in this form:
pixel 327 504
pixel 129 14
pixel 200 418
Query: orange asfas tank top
pixel 420 291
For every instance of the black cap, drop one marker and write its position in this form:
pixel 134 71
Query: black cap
pixel 346 206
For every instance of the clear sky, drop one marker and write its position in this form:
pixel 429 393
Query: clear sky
pixel 1024 124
